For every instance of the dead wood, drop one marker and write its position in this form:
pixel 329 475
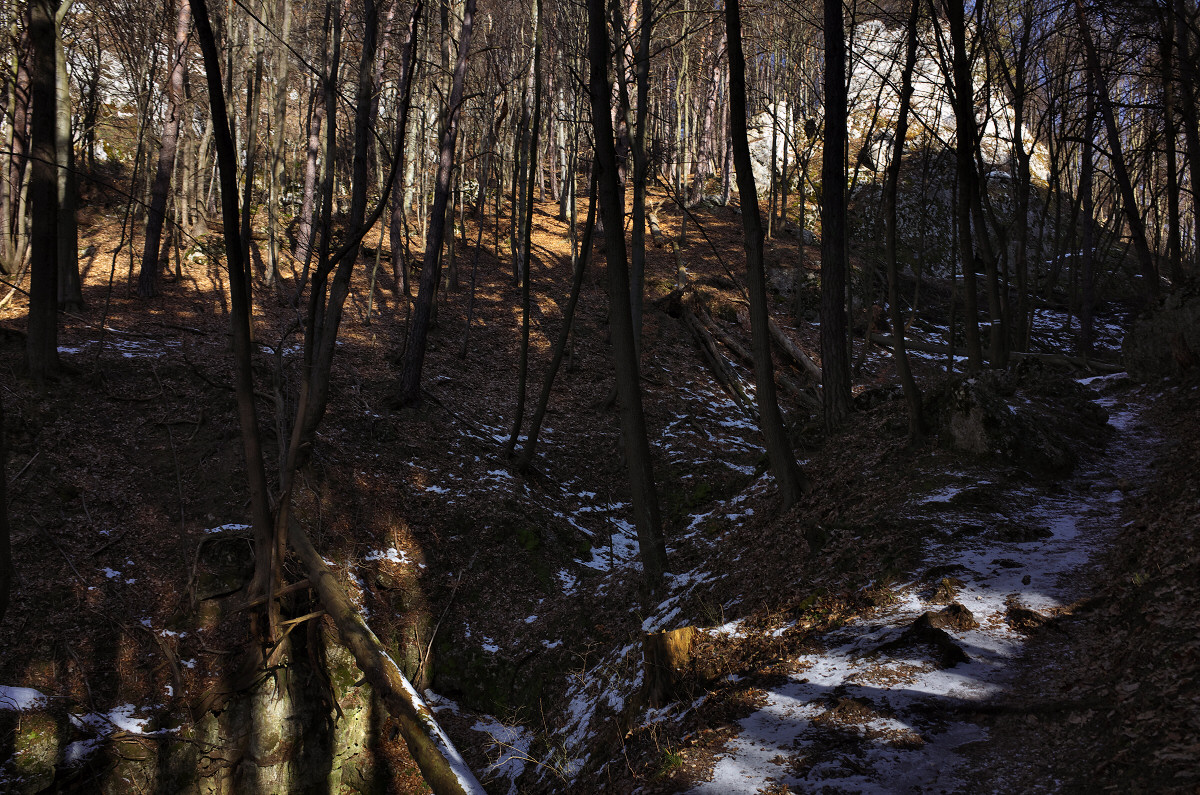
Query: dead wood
pixel 439 761
pixel 666 657
pixel 712 353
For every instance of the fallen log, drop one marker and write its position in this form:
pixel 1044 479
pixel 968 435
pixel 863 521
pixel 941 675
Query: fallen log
pixel 743 353
pixel 721 369
pixel 793 350
pixel 1059 359
pixel 439 761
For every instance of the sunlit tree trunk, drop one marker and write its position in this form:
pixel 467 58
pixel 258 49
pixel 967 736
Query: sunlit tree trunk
pixel 41 352
pixel 160 189
pixel 414 352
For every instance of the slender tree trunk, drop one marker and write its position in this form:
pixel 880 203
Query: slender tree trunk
pixel 304 230
pixel 644 494
pixel 637 258
pixel 253 102
pixel 835 359
pixel 70 291
pixel 1174 242
pixel 414 352
pixel 791 481
pixel 579 265
pixel 1088 254
pixel 148 278
pixel 912 395
pixel 266 567
pixel 278 138
pixel 526 234
pixel 1137 228
pixel 41 352
pixel 964 118
pixel 1023 187
pixel 14 215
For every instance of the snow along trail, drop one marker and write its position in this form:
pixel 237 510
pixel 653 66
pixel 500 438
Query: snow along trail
pixel 861 718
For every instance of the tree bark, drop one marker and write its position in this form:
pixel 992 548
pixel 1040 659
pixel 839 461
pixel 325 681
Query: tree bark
pixel 526 243
pixel 41 352
pixel 148 277
pixel 1137 228
pixel 789 477
pixel 835 359
pixel 414 352
pixel 912 395
pixel 70 290
pixel 278 138
pixel 644 494
pixel 964 149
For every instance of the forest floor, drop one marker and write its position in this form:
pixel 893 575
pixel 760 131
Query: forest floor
pixel 516 603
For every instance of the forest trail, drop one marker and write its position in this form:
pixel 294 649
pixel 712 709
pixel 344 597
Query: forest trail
pixel 890 701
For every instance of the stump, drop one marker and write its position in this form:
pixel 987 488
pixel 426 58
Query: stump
pixel 666 657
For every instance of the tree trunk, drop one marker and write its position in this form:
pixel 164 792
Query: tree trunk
pixel 637 258
pixel 1137 228
pixel 560 347
pixel 70 291
pixel 835 359
pixel 912 395
pixel 266 567
pixel 304 229
pixel 792 482
pixel 414 352
pixel 13 217
pixel 41 351
pixel 964 149
pixel 633 422
pixel 148 277
pixel 1088 254
pixel 278 137
pixel 526 232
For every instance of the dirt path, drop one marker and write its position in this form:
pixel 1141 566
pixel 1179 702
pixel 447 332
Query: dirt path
pixel 897 701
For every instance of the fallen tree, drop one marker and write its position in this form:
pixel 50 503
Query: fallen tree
pixel 440 763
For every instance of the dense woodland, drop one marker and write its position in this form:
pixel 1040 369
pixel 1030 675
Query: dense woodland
pixel 394 313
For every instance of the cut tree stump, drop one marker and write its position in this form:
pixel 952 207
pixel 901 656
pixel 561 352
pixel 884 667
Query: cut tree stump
pixel 666 657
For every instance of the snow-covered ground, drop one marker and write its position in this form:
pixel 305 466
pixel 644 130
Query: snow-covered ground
pixel 874 710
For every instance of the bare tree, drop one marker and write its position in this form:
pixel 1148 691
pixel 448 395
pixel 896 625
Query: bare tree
pixel 835 358
pixel 647 519
pixel 788 476
pixel 148 278
pixel 414 351
pixel 41 352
